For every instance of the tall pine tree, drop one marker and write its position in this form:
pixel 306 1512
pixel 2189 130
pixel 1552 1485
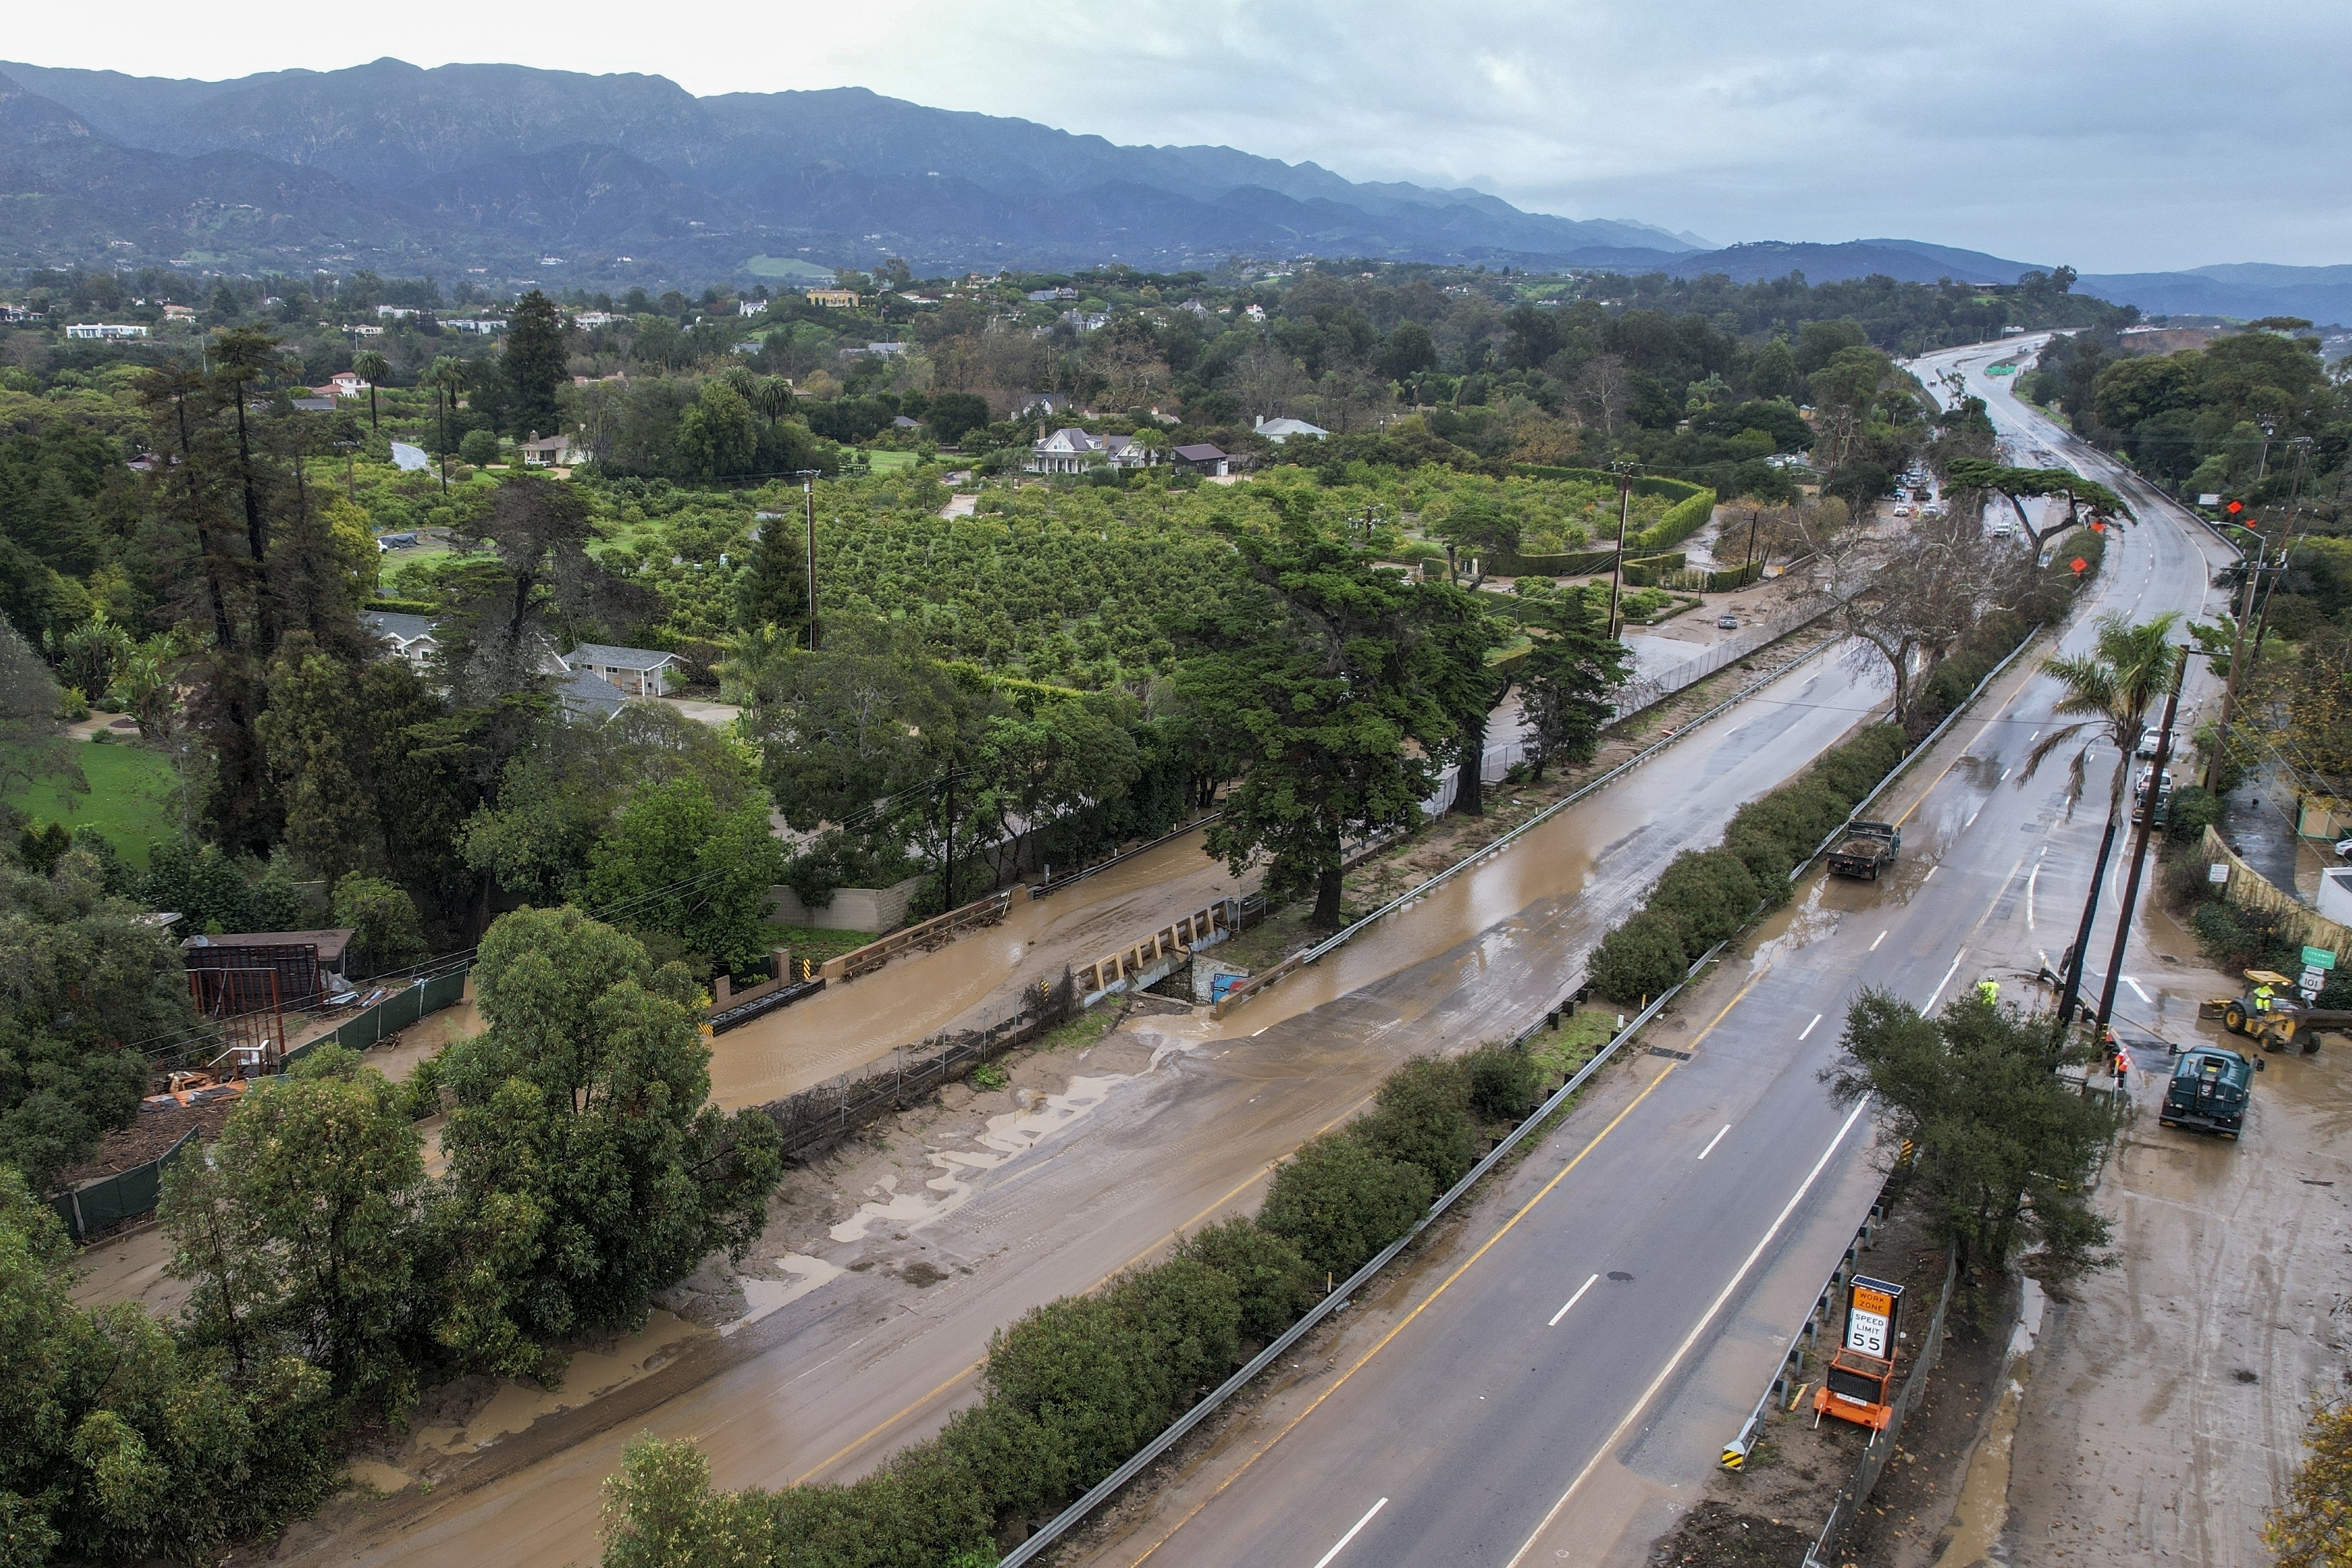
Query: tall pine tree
pixel 534 365
pixel 774 589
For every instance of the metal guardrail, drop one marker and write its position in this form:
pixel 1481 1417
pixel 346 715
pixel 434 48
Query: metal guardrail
pixel 1881 1446
pixel 1927 744
pixel 1260 983
pixel 1101 1492
pixel 734 1017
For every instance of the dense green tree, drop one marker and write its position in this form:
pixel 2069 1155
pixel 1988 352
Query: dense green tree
pixel 676 863
pixel 386 933
pixel 123 1445
pixel 298 1231
pixel 1566 680
pixel 587 1168
pixel 2006 1148
pixel 772 588
pixel 84 975
pixel 1275 1283
pixel 533 362
pixel 954 415
pixel 1322 677
pixel 330 823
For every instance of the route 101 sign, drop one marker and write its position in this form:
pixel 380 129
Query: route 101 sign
pixel 1872 1309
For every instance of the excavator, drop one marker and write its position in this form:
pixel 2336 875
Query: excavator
pixel 2280 1025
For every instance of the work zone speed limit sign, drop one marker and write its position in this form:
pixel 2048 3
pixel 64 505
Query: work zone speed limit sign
pixel 1871 1307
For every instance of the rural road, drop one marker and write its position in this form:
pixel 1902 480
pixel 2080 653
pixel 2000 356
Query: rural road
pixel 832 1382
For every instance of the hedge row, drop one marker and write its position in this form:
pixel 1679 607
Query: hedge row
pixel 1706 895
pixel 1079 1384
pixel 1643 484
pixel 1683 518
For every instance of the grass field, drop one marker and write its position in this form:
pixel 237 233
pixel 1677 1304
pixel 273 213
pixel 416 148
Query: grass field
pixel 129 799
pixel 891 462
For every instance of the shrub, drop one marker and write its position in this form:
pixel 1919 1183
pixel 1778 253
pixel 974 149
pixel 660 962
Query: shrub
pixel 1275 1283
pixel 2195 808
pixel 1709 894
pixel 1506 1083
pixel 1642 958
pixel 1338 1203
pixel 1421 1116
pixel 479 448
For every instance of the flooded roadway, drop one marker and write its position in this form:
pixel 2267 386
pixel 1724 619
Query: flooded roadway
pixel 971 982
pixel 828 1385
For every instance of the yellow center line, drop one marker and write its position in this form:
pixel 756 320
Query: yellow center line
pixel 1485 1246
pixel 908 1411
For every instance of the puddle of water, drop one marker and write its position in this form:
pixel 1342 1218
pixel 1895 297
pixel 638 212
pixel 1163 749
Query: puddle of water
pixel 762 1297
pixel 375 1475
pixel 1007 1138
pixel 590 1374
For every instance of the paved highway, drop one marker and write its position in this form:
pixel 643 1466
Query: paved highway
pixel 834 1381
pixel 1562 1374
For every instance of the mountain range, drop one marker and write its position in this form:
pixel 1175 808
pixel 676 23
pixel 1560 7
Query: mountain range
pixel 600 181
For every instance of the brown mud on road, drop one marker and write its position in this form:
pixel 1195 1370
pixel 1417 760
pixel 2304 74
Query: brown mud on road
pixel 2166 1410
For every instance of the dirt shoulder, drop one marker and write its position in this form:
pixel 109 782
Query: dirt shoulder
pixel 1771 1511
pixel 2166 1407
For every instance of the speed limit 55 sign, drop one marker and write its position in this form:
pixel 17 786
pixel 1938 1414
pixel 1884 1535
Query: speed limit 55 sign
pixel 1872 1308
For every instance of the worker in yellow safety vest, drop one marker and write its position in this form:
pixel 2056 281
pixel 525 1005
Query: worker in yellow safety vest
pixel 1988 990
pixel 2263 998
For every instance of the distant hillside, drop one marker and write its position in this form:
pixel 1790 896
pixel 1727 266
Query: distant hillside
pixel 497 166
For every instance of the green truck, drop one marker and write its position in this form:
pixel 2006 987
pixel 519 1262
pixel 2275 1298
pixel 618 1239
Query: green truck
pixel 2209 1090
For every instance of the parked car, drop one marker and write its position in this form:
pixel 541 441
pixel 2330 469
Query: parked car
pixel 2344 849
pixel 1730 622
pixel 1903 511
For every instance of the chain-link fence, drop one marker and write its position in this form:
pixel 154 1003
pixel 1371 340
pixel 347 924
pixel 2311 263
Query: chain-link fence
pixel 1881 1446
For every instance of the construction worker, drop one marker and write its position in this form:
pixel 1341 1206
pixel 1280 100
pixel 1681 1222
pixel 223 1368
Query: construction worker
pixel 2262 997
pixel 1988 991
pixel 2122 1064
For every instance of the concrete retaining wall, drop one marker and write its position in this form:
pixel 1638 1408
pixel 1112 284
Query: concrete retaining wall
pixel 2249 888
pixel 852 909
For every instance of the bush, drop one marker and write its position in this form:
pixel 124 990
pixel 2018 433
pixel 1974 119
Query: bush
pixel 1506 1083
pixel 385 931
pixel 1275 1283
pixel 1422 1117
pixel 1641 959
pixel 2195 808
pixel 479 448
pixel 1709 894
pixel 1338 1203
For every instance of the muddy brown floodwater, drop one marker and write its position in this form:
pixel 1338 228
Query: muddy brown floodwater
pixel 973 981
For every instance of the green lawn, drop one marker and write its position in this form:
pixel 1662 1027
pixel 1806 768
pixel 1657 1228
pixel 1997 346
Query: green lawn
pixel 891 462
pixel 129 798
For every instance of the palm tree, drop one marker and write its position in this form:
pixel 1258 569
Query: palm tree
pixel 370 367
pixel 2110 691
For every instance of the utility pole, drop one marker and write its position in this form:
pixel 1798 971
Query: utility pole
pixel 2237 665
pixel 1617 566
pixel 2302 444
pixel 2105 1018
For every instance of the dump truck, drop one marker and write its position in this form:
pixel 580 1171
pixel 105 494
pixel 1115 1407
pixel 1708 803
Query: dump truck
pixel 2209 1090
pixel 2284 1023
pixel 1867 850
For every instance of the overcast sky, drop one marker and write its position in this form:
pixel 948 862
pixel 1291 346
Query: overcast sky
pixel 2114 136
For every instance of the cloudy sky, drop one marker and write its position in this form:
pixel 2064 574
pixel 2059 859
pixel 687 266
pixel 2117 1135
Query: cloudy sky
pixel 2114 136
